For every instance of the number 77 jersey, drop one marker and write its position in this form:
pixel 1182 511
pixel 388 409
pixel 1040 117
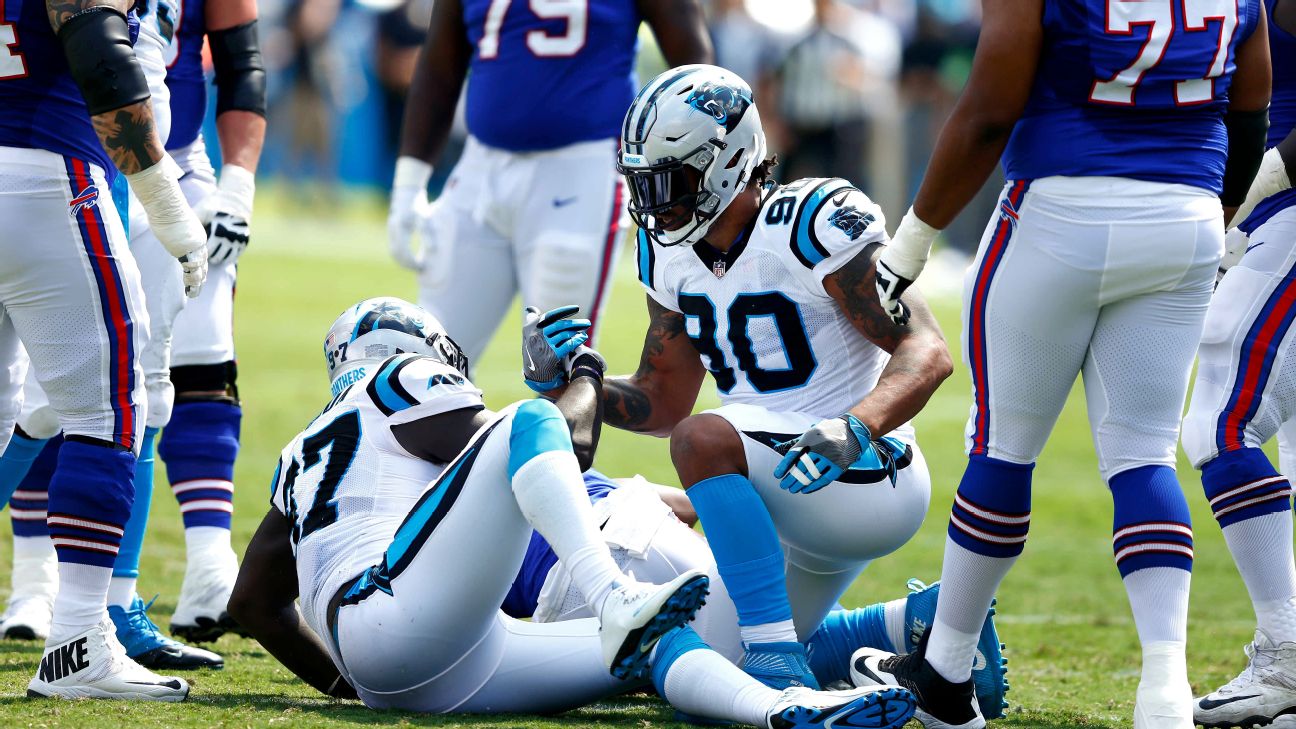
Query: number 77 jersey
pixel 1132 88
pixel 758 315
pixel 346 484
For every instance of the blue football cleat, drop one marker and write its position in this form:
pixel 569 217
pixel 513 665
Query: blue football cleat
pixel 989 672
pixel 779 665
pixel 874 707
pixel 147 646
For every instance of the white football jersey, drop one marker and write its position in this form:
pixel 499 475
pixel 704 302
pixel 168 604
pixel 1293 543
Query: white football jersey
pixel 345 482
pixel 758 314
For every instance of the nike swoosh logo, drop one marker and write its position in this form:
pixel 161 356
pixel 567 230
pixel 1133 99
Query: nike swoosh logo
pixel 1209 704
pixel 530 362
pixel 862 667
pixel 172 684
pixel 559 202
pixel 1253 245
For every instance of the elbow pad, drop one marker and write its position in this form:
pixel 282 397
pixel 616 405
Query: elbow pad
pixel 97 44
pixel 240 74
pixel 1246 146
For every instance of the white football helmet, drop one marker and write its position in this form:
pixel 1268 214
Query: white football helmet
pixel 375 329
pixel 689 145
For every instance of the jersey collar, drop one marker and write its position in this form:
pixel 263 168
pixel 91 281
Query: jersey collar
pixel 719 262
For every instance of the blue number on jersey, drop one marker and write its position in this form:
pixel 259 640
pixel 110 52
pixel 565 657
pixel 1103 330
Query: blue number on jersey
pixel 786 317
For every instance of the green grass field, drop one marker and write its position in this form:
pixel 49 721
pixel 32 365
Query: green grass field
pixel 1073 652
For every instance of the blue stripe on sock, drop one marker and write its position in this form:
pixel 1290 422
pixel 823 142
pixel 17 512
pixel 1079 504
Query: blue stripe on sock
pixel 538 427
pixel 1151 526
pixel 1243 484
pixel 671 646
pixel 991 512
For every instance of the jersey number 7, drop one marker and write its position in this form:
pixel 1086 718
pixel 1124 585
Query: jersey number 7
pixel 574 12
pixel 1158 15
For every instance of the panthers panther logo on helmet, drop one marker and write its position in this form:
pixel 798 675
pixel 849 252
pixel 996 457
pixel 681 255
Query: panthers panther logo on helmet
pixel 375 329
pixel 726 104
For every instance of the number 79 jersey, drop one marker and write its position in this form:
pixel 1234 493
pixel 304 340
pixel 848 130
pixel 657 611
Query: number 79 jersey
pixel 759 316
pixel 346 484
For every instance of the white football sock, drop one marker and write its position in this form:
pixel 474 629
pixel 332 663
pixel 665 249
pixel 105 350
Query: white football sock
pixel 551 494
pixel 895 623
pixel 35 567
pixel 121 591
pixel 1262 548
pixel 81 601
pixel 968 584
pixel 784 631
pixel 702 683
pixel 203 540
pixel 1164 663
pixel 1158 598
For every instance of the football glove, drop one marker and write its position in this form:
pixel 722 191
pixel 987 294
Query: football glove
pixel 433 248
pixel 900 264
pixel 547 345
pixel 1235 246
pixel 830 448
pixel 172 220
pixel 227 214
pixel 409 207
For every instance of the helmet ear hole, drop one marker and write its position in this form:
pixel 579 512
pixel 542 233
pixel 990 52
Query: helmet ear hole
pixel 733 161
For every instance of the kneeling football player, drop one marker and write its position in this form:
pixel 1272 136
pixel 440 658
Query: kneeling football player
pixel 401 513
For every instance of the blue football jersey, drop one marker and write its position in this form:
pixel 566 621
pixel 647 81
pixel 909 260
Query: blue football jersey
pixel 1282 115
pixel 1132 88
pixel 40 105
pixel 548 73
pixel 185 76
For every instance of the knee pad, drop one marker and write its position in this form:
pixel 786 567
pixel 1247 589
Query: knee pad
pixel 1197 435
pixel 1151 526
pixel 201 441
pixel 991 512
pixel 41 423
pixel 538 427
pixel 1243 484
pixel 201 383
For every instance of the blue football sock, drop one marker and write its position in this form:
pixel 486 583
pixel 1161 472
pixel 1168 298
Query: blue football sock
pixel 199 446
pixel 128 555
pixel 15 463
pixel 746 547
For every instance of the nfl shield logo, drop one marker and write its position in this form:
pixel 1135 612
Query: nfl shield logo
pixel 718 268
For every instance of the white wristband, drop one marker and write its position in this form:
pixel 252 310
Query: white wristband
pixel 412 172
pixel 238 187
pixel 911 244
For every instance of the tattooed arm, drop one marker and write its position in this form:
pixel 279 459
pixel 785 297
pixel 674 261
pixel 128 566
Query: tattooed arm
pixel 920 361
pixel 127 132
pixel 662 392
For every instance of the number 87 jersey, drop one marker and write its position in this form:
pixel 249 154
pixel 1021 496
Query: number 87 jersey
pixel 1132 88
pixel 759 316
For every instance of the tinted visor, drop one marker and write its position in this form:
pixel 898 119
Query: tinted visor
pixel 653 191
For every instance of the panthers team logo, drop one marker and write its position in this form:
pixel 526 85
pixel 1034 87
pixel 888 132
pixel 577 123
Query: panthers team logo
pixel 88 198
pixel 725 104
pixel 388 316
pixel 851 220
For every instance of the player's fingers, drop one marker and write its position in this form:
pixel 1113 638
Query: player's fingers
pixel 565 325
pixel 789 458
pixel 571 345
pixel 561 312
pixel 801 477
pixel 808 464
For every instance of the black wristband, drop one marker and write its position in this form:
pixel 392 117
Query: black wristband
pixel 240 74
pixel 1246 146
pixel 587 370
pixel 96 42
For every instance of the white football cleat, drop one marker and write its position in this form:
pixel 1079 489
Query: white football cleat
pixel 27 617
pixel 201 615
pixel 93 665
pixel 1164 698
pixel 874 707
pixel 636 615
pixel 31 602
pixel 1264 694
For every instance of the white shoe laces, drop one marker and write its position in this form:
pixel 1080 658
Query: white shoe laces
pixel 1271 666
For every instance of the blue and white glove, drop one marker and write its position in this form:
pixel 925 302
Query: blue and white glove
pixel 830 448
pixel 548 342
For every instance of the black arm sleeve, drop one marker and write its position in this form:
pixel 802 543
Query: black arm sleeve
pixel 240 74
pixel 101 60
pixel 1246 146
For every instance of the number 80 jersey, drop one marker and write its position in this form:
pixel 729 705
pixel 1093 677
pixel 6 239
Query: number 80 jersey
pixel 759 316
pixel 346 484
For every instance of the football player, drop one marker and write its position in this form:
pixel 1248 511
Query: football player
pixel 401 513
pixel 648 528
pixel 1244 393
pixel 75 112
pixel 769 288
pixel 1122 127
pixel 534 205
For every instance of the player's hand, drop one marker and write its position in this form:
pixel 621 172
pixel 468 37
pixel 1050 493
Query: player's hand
pixel 547 343
pixel 409 207
pixel 901 262
pixel 890 285
pixel 227 215
pixel 172 220
pixel 433 248
pixel 831 447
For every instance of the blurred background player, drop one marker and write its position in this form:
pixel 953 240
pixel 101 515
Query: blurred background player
pixel 534 204
pixel 201 440
pixel 1100 261
pixel 1243 395
pixel 72 90
pixel 768 287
